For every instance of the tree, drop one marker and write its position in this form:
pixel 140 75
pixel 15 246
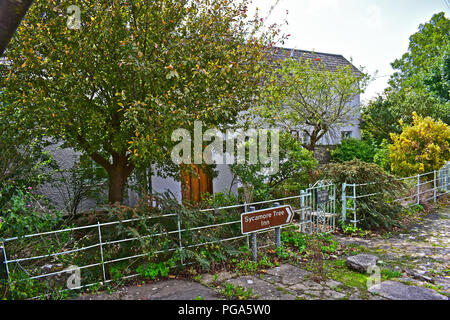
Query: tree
pixel 420 84
pixel 116 87
pixel 438 81
pixel 381 116
pixel 304 93
pixel 426 46
pixel 422 147
pixel 294 163
pixel 11 13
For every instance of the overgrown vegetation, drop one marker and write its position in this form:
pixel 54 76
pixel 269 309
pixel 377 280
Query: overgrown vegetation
pixel 292 176
pixel 352 148
pixel 378 211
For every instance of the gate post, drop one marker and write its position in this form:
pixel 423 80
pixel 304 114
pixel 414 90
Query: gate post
pixel 418 189
pixel 5 259
pixel 446 179
pixel 435 186
pixel 302 206
pixel 344 203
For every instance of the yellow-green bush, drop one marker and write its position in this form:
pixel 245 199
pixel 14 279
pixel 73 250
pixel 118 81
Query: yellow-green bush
pixel 421 147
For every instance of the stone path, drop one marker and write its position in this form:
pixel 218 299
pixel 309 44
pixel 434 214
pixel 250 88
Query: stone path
pixel 422 256
pixel 285 282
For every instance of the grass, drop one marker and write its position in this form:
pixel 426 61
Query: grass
pixel 338 271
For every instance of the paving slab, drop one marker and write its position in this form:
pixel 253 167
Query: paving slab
pixel 209 279
pixel 398 291
pixel 286 274
pixel 165 290
pixel 263 289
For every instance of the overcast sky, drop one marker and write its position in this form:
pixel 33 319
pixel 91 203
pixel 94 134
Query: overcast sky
pixel 372 32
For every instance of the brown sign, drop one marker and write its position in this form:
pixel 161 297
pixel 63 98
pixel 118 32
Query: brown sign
pixel 265 219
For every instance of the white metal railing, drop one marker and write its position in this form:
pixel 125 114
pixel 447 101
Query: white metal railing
pixel 102 245
pixel 440 182
pixel 311 216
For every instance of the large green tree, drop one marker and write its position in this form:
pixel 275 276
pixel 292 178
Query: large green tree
pixel 381 116
pixel 117 84
pixel 427 46
pixel 420 83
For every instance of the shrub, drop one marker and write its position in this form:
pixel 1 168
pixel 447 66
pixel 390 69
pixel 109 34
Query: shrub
pixel 294 162
pixel 375 211
pixel 353 148
pixel 381 156
pixel 422 147
pixel 25 213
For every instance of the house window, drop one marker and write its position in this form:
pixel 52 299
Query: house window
pixel 305 138
pixel 346 134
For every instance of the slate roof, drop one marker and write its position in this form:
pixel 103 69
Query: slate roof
pixel 329 60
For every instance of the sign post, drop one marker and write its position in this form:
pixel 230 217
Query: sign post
pixel 254 241
pixel 277 230
pixel 254 221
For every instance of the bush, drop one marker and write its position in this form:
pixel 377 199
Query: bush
pixel 293 171
pixel 375 211
pixel 352 148
pixel 200 247
pixel 422 147
pixel 25 213
pixel 381 156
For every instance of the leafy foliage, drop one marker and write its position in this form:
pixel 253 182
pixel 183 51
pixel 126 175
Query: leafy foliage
pixel 24 213
pixel 352 148
pixel 381 116
pixel 426 47
pixel 377 211
pixel 137 70
pixel 305 94
pixel 420 83
pixel 438 81
pixel 422 147
pixel 294 161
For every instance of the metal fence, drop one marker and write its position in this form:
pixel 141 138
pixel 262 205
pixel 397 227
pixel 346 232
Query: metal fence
pixel 419 188
pixel 100 253
pixel 93 252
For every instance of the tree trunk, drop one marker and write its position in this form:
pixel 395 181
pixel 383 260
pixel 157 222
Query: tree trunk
pixel 118 172
pixel 11 13
pixel 117 181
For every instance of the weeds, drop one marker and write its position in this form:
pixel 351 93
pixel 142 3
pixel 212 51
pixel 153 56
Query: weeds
pixel 232 292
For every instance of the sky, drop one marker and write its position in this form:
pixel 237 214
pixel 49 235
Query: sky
pixel 371 32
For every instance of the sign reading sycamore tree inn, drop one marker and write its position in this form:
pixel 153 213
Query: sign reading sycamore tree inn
pixel 265 219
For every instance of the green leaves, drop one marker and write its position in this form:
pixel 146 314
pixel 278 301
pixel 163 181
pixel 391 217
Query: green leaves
pixel 165 58
pixel 305 94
